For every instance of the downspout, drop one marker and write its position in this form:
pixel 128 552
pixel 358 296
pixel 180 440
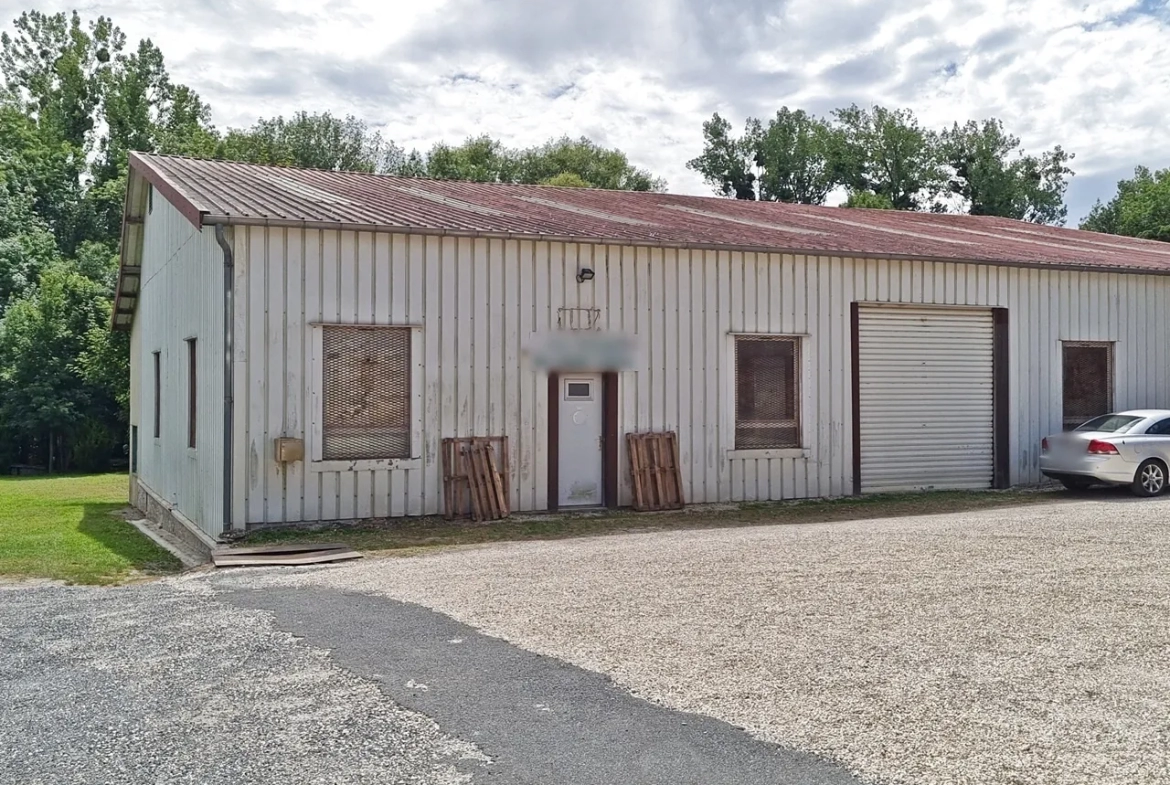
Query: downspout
pixel 229 265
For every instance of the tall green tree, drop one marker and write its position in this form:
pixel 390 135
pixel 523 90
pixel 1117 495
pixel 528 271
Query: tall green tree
pixel 1141 207
pixel 479 159
pixel 993 176
pixel 595 165
pixel 869 200
pixel 45 338
pixel 886 151
pixel 793 155
pixel 580 162
pixel 26 245
pixel 726 163
pixel 54 67
pixel 74 102
pixel 315 141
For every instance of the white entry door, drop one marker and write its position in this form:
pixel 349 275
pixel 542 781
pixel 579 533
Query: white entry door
pixel 579 471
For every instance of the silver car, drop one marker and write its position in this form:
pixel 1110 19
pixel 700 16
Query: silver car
pixel 1126 448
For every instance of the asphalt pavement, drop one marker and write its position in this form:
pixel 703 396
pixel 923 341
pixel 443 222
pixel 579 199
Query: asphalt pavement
pixel 187 681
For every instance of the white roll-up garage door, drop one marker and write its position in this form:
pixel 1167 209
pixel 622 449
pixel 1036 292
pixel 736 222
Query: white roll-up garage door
pixel 926 398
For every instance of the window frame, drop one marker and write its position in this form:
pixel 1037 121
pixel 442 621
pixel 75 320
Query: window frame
pixel 192 387
pixel 1111 348
pixel 569 397
pixel 805 346
pixel 157 394
pixel 315 447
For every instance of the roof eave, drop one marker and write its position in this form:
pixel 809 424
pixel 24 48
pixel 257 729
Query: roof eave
pixel 167 189
pixel 292 223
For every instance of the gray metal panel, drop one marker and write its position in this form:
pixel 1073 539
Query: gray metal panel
pixel 181 299
pixel 926 398
pixel 476 304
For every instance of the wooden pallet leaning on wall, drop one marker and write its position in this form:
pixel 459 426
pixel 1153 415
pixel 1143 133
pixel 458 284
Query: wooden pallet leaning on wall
pixel 654 471
pixel 476 478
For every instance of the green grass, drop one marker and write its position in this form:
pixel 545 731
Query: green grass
pixel 65 528
pixel 412 534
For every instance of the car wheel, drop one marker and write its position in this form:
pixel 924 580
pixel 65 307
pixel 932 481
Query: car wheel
pixel 1077 484
pixel 1150 479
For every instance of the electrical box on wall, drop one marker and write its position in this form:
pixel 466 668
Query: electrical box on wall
pixel 289 450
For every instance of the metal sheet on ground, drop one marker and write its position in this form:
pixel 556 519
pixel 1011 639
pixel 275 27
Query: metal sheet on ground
pixel 284 555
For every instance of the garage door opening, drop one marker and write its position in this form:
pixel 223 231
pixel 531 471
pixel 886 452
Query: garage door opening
pixel 926 388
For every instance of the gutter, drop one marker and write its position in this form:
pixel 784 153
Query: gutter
pixel 229 265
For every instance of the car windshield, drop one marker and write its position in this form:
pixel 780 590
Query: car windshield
pixel 1110 423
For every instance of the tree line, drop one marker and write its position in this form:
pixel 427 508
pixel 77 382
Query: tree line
pixel 77 97
pixel 884 158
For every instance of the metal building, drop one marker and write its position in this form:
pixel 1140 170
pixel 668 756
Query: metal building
pixel 797 351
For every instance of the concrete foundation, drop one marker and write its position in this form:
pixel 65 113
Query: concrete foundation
pixel 170 520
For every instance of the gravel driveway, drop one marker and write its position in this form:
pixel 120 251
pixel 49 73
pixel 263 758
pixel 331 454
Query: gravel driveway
pixel 1009 646
pixel 159 683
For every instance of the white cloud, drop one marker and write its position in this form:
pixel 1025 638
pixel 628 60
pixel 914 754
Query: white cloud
pixel 644 74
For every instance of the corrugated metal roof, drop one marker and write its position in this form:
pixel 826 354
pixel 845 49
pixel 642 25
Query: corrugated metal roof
pixel 236 193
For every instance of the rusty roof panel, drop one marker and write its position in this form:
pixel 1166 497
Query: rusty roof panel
pixel 231 192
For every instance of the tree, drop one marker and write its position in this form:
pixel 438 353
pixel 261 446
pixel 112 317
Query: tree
pixel 45 337
pixel 590 162
pixel 1141 207
pixel 314 141
pixel 54 69
pixel 479 159
pixel 566 180
pixel 39 169
pixel 726 162
pixel 993 176
pixel 868 199
pixel 792 154
pixel 886 152
pixel 581 162
pixel 26 245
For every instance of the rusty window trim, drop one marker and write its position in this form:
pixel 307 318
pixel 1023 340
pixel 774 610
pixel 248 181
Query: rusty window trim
pixel 793 423
pixel 403 393
pixel 1068 422
pixel 191 392
pixel 157 394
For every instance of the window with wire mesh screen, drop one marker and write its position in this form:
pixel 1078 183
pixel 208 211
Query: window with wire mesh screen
pixel 767 392
pixel 365 393
pixel 1088 381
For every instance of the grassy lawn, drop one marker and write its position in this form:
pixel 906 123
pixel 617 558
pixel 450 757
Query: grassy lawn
pixel 432 532
pixel 64 528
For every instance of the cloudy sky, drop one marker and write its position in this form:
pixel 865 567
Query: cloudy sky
pixel 642 75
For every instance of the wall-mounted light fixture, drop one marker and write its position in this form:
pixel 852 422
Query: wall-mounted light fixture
pixel 584 274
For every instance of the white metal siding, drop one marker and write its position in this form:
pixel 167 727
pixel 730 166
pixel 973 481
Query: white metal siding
pixel 478 302
pixel 182 297
pixel 927 406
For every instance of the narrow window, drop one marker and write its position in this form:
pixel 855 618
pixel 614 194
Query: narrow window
pixel 1087 381
pixel 134 449
pixel 365 393
pixel 767 392
pixel 157 394
pixel 191 387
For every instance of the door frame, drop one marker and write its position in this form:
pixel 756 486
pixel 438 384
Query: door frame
pixel 609 439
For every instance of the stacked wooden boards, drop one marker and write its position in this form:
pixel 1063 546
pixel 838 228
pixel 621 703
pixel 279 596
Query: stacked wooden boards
pixel 654 471
pixel 475 478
